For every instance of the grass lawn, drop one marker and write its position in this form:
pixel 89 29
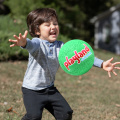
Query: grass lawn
pixel 92 96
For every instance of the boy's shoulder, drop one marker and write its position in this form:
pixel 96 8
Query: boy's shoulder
pixel 38 40
pixel 59 43
pixel 35 38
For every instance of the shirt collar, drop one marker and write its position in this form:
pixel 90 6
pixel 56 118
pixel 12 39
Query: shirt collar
pixel 47 42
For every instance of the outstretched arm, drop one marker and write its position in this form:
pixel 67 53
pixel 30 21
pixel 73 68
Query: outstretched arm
pixel 109 67
pixel 20 40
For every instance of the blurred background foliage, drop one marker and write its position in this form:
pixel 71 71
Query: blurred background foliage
pixel 74 17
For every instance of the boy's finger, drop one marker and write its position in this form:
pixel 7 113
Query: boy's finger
pixel 114 73
pixel 110 59
pixel 20 35
pixel 16 37
pixel 25 34
pixel 116 63
pixel 117 68
pixel 109 74
pixel 14 41
pixel 12 45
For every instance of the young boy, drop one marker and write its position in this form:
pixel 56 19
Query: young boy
pixel 38 87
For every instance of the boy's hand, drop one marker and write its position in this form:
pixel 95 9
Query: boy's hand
pixel 109 67
pixel 20 41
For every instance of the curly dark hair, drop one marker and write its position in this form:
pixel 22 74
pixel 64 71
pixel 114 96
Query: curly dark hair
pixel 36 17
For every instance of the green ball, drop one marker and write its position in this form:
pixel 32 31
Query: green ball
pixel 76 57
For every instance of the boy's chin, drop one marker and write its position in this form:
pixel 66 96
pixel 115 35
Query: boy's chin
pixel 52 40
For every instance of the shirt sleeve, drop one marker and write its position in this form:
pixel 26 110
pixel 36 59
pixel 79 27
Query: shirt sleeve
pixel 97 62
pixel 32 45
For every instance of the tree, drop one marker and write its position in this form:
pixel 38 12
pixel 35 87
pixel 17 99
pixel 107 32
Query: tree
pixel 74 15
pixel 3 8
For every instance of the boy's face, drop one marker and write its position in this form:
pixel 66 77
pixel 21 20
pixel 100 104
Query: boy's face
pixel 49 31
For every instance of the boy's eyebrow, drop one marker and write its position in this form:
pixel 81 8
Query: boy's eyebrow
pixel 46 22
pixel 50 21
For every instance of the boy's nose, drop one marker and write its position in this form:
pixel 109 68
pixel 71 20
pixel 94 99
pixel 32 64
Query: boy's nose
pixel 52 26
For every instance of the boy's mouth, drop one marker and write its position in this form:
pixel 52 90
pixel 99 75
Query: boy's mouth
pixel 52 33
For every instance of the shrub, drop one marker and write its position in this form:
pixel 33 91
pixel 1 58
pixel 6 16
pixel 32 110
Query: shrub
pixel 9 27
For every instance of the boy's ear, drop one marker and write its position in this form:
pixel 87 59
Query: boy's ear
pixel 37 33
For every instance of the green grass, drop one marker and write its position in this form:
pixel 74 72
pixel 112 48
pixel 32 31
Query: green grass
pixel 92 96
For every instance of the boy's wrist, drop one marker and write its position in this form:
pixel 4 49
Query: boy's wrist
pixel 25 44
pixel 102 65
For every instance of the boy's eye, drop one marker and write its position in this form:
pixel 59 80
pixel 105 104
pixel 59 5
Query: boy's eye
pixel 47 24
pixel 55 23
